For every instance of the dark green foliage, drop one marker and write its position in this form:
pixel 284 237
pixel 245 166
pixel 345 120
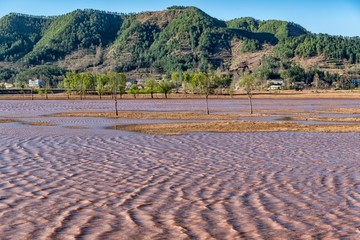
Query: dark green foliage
pixel 285 49
pixel 269 68
pixel 6 74
pixel 177 7
pixel 333 47
pixel 280 29
pixel 189 38
pixel 247 23
pixel 310 45
pixel 18 34
pixel 250 45
pixel 131 47
pixel 186 41
pixel 222 81
pixel 76 30
pixel 294 74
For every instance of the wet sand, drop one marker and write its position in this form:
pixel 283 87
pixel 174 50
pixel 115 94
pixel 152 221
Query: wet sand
pixel 88 182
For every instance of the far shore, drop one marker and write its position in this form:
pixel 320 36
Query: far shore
pixel 282 94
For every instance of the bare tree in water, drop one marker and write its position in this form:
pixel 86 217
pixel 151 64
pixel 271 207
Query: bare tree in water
pixel 117 82
pixel 249 83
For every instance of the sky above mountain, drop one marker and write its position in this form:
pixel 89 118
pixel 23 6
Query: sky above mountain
pixel 335 17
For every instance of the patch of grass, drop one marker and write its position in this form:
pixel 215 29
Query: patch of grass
pixel 320 119
pixel 7 120
pixel 45 124
pixel 342 110
pixel 234 126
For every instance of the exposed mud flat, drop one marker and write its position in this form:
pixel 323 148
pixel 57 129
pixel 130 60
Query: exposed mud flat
pixel 92 183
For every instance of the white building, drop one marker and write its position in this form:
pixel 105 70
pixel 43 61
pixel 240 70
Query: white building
pixel 35 83
pixel 275 84
pixel 8 85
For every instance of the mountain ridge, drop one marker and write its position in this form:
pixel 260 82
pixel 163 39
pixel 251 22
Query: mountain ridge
pixel 178 38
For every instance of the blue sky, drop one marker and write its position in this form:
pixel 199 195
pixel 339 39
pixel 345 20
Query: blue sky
pixel 335 17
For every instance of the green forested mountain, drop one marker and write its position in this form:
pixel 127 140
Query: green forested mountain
pixel 18 35
pixel 73 31
pixel 280 29
pixel 179 38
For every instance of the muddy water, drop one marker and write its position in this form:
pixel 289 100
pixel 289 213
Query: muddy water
pixel 91 183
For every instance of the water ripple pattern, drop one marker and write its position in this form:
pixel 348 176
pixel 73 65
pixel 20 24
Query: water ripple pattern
pixel 59 183
pixel 201 186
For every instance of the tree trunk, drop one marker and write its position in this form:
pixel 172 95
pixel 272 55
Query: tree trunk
pixel 250 103
pixel 207 104
pixel 165 95
pixel 32 94
pixel 152 95
pixel 100 95
pixel 116 107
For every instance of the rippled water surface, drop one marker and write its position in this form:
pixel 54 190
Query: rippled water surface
pixel 92 183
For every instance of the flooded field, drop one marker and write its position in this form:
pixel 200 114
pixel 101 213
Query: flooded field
pixel 78 180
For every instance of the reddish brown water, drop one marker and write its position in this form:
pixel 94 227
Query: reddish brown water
pixel 62 183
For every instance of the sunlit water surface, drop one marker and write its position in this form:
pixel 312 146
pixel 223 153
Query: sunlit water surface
pixel 77 180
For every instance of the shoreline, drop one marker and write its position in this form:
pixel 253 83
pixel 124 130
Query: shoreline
pixel 283 94
pixel 234 127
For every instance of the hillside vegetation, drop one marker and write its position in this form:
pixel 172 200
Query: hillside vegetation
pixel 176 39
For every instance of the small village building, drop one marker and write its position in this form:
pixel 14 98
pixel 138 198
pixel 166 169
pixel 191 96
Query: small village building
pixel 274 87
pixel 275 84
pixel 8 85
pixel 35 83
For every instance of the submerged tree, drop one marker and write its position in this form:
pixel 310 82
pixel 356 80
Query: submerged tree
pixel 101 81
pixel 69 83
pixel 249 83
pixel 151 86
pixel 176 78
pixel 134 89
pixel 201 83
pixel 186 81
pixel 116 82
pixel 206 83
pixel 83 82
pixel 165 87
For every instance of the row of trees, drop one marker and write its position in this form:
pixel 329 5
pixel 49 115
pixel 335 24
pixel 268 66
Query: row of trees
pixel 82 83
pixel 116 84
pixel 103 83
